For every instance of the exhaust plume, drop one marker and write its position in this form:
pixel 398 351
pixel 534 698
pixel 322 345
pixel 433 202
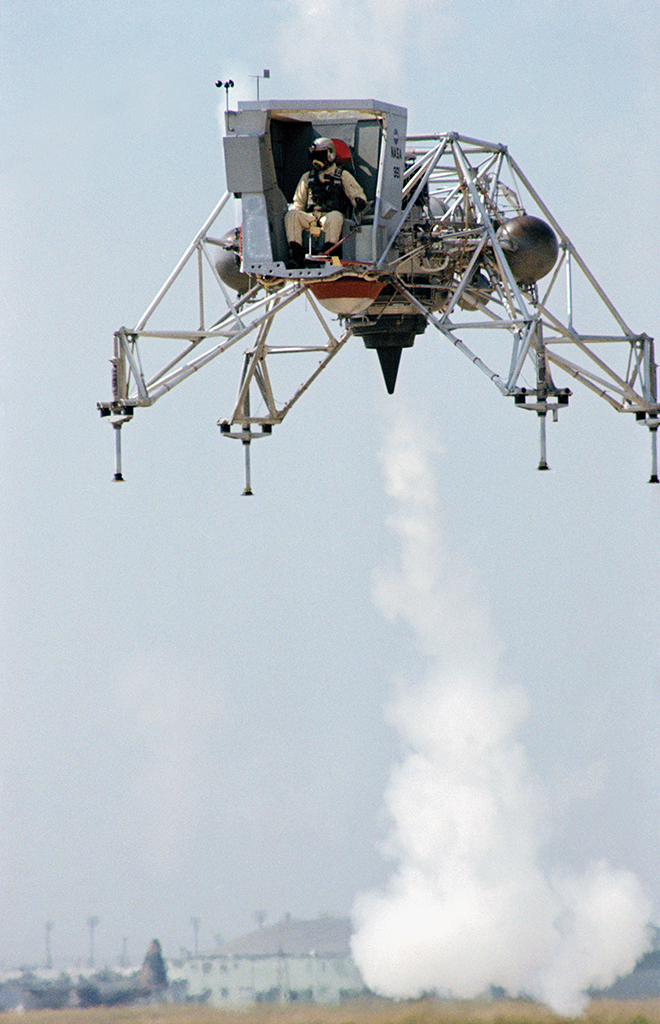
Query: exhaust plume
pixel 471 902
pixel 379 42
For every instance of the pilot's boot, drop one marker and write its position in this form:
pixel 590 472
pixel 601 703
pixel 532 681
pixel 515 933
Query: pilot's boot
pixel 297 256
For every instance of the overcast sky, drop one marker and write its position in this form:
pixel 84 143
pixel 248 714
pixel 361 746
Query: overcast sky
pixel 195 684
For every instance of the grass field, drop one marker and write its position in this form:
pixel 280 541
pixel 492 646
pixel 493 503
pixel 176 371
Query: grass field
pixel 601 1011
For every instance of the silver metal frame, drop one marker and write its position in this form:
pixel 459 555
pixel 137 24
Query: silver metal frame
pixel 465 177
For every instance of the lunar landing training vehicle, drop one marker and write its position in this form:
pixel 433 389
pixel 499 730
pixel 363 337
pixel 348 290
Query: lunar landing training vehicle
pixel 387 237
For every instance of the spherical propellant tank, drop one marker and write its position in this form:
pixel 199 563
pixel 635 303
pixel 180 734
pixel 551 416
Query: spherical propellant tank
pixel 436 207
pixel 530 246
pixel 228 262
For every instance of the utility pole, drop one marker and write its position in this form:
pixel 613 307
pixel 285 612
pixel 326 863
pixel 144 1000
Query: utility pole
pixel 49 959
pixel 92 922
pixel 195 923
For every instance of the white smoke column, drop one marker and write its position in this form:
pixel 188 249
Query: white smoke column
pixel 372 49
pixel 169 721
pixel 468 904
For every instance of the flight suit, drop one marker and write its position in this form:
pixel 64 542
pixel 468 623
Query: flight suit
pixel 324 200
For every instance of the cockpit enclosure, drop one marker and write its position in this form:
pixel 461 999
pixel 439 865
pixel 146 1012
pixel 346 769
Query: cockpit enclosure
pixel 267 152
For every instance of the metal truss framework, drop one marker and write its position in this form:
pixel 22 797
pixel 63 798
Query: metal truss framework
pixel 445 261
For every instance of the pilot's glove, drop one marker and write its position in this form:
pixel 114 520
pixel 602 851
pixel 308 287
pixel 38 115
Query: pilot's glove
pixel 360 204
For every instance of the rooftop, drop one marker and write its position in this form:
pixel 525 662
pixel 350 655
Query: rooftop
pixel 293 937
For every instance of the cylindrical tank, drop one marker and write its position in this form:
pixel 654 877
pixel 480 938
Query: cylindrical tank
pixel 228 262
pixel 530 246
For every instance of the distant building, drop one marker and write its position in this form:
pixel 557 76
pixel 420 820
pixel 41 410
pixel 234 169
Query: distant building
pixel 292 961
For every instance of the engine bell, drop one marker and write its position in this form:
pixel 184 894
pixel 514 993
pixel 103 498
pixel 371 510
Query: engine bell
pixel 389 335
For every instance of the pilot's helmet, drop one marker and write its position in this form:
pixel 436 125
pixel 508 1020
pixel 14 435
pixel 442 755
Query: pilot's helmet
pixel 322 152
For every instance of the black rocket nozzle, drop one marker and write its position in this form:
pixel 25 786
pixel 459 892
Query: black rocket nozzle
pixel 389 335
pixel 389 357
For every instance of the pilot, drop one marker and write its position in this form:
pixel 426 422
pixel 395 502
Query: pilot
pixel 323 196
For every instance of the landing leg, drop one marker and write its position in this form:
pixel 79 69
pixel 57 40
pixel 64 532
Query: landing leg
pixel 118 478
pixel 654 456
pixel 543 464
pixel 248 479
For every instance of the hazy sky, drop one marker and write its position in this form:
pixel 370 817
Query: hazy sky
pixel 196 685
